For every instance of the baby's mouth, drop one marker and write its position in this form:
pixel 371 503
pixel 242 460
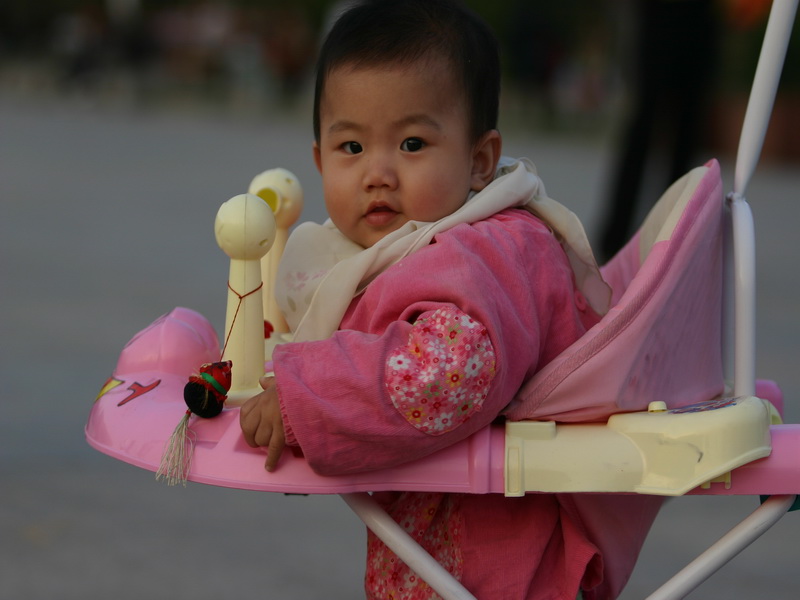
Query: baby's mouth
pixel 380 215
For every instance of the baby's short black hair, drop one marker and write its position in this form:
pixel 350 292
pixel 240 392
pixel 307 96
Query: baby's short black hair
pixel 401 32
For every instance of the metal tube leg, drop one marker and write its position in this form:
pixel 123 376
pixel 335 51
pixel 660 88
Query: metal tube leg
pixel 733 542
pixel 409 551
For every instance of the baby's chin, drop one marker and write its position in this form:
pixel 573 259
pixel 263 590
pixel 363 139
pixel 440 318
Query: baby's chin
pixel 367 239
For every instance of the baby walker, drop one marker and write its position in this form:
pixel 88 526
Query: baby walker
pixel 681 286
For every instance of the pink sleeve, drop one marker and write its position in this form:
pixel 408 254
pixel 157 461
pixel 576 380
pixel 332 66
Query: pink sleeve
pixel 348 402
pixel 368 401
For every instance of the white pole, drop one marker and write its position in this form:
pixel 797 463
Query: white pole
pixel 245 230
pixel 281 190
pixel 736 540
pixel 409 551
pixel 762 94
pixel 751 141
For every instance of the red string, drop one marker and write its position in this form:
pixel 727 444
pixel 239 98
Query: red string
pixel 236 314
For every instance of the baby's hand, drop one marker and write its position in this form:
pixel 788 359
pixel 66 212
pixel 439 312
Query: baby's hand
pixel 262 424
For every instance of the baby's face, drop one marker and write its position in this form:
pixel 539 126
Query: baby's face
pixel 394 146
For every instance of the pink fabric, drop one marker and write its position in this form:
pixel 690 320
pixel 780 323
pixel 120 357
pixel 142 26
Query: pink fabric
pixel 509 275
pixel 332 392
pixel 442 375
pixel 660 341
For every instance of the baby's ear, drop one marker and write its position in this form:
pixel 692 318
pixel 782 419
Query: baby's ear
pixel 317 157
pixel 485 155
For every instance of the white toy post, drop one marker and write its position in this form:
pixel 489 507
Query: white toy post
pixel 245 230
pixel 281 190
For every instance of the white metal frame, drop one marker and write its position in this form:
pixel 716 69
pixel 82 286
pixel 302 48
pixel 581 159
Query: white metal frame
pixel 742 247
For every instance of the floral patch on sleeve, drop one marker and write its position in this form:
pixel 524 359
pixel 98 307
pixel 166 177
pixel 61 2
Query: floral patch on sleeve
pixel 443 373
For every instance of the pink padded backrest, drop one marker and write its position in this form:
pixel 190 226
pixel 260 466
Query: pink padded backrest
pixel 662 338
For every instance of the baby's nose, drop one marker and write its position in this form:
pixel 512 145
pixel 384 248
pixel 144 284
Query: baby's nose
pixel 380 172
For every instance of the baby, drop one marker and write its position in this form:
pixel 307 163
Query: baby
pixel 444 279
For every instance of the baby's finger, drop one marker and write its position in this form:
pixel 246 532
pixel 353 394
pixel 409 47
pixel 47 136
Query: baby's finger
pixel 251 425
pixel 264 434
pixel 276 445
pixel 245 410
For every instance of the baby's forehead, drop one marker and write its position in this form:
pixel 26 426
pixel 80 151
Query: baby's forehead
pixel 392 90
pixel 427 84
pixel 436 64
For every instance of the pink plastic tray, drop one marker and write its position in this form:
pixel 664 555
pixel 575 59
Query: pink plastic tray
pixel 142 402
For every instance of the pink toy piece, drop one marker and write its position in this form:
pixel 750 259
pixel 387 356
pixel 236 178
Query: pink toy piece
pixel 770 390
pixel 176 343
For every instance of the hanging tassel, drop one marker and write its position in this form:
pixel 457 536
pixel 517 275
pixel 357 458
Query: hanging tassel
pixel 177 458
pixel 204 395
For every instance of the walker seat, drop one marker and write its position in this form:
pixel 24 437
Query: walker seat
pixel 657 350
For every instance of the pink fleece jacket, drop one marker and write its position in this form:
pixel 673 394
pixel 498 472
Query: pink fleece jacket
pixel 431 352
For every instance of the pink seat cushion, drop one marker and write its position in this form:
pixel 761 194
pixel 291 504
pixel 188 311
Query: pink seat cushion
pixel 662 338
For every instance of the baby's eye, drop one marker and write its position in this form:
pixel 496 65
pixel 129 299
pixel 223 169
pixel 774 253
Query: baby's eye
pixel 352 147
pixel 412 145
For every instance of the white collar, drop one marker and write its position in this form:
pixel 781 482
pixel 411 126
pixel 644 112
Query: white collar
pixel 321 271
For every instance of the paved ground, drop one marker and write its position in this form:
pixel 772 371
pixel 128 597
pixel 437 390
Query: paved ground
pixel 107 223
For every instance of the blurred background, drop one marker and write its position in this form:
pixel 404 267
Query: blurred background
pixel 568 65
pixel 124 124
